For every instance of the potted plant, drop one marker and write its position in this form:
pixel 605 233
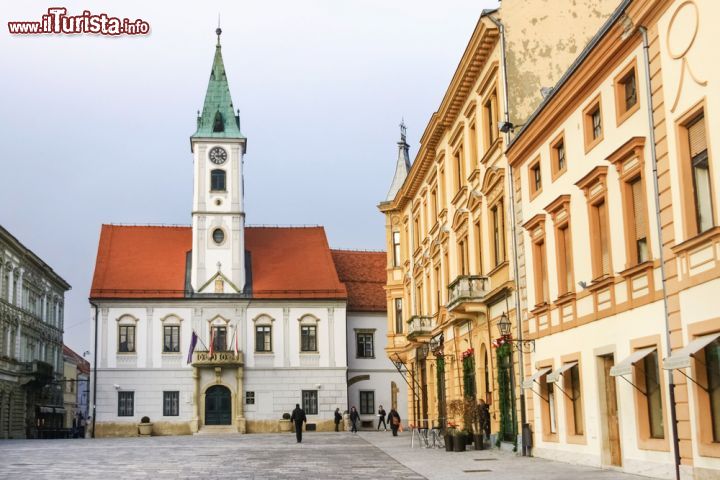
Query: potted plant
pixel 145 427
pixel 449 434
pixel 458 441
pixel 285 423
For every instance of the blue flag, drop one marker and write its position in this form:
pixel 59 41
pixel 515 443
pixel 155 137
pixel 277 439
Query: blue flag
pixel 193 342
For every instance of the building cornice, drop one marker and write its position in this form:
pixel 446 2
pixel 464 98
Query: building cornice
pixel 483 40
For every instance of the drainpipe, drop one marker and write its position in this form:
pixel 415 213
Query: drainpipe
pixel 94 369
pixel 653 156
pixel 516 270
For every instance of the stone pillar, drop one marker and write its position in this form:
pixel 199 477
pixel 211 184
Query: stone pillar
pixel 240 417
pixel 195 422
pixel 331 336
pixel 149 361
pixel 104 347
pixel 286 337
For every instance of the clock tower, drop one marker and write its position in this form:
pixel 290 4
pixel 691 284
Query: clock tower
pixel 218 216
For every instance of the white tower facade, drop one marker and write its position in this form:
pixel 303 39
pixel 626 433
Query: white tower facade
pixel 218 214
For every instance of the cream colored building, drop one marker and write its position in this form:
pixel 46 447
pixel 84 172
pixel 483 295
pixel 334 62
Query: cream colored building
pixel 450 266
pixel 624 263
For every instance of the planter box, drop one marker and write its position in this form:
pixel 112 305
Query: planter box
pixel 448 443
pixel 285 425
pixel 145 429
pixel 479 442
pixel 459 443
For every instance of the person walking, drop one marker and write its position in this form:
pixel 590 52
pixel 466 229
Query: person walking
pixel 394 420
pixel 381 418
pixel 298 418
pixel 338 419
pixel 354 419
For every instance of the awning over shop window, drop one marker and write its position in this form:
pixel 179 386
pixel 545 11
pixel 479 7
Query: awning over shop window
pixel 682 358
pixel 555 376
pixel 625 367
pixel 528 383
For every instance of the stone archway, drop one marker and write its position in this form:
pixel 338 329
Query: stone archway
pixel 218 405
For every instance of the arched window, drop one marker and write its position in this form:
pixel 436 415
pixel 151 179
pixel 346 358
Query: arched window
pixel 217 180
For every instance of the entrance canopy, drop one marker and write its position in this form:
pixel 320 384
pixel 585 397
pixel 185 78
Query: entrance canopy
pixel 528 383
pixel 555 376
pixel 681 358
pixel 625 367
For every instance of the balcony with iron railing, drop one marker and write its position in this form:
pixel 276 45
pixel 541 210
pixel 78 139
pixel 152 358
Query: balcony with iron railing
pixel 467 292
pixel 420 325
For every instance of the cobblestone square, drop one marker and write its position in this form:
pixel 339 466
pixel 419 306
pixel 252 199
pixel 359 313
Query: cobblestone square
pixel 368 455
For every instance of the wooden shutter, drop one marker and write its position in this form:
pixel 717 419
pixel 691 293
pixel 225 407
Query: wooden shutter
pixel 696 136
pixel 604 239
pixel 638 206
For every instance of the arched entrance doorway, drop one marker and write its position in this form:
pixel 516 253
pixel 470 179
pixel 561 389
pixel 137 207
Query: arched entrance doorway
pixel 218 406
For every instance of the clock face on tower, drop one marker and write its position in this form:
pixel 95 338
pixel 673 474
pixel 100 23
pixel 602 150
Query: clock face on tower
pixel 217 155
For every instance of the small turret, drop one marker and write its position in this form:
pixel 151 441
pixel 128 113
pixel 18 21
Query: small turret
pixel 402 166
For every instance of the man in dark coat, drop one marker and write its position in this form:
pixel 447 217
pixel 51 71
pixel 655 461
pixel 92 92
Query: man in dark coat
pixel 338 419
pixel 381 418
pixel 394 421
pixel 354 419
pixel 298 418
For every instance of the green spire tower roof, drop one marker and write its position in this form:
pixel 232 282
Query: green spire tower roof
pixel 218 118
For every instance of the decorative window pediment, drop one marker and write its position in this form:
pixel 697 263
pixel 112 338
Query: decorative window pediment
pixel 127 319
pixel 171 319
pixel 219 320
pixel 308 319
pixel 629 158
pixel 536 227
pixel 492 183
pixel 263 319
pixel 594 184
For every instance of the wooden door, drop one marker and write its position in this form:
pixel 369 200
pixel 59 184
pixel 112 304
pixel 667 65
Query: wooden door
pixel 611 418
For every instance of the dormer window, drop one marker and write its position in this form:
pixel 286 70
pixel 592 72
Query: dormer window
pixel 218 124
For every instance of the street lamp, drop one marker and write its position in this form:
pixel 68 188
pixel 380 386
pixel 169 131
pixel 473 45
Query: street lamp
pixel 504 325
pixel 520 345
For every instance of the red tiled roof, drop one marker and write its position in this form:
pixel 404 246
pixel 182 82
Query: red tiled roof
pixel 147 262
pixel 150 262
pixel 364 274
pixel 82 364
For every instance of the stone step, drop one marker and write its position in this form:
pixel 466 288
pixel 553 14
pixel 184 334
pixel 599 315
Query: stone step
pixel 217 430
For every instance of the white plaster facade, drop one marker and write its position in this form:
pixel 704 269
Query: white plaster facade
pixel 375 374
pixel 276 379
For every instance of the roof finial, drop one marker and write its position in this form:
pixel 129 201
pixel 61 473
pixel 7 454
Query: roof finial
pixel 218 30
pixel 403 130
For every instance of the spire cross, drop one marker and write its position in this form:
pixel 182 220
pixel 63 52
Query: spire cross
pixel 218 30
pixel 403 130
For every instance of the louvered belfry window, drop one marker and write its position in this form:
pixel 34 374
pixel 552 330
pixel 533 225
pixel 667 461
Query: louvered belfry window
pixel 700 173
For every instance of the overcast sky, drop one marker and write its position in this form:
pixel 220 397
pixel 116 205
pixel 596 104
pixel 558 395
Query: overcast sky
pixel 96 129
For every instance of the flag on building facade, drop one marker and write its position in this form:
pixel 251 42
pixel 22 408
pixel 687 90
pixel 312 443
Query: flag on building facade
pixel 212 342
pixel 193 343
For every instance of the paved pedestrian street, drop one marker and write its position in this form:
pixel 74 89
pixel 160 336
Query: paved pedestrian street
pixel 368 455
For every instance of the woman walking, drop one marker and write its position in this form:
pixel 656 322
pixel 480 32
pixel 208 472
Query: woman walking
pixel 394 420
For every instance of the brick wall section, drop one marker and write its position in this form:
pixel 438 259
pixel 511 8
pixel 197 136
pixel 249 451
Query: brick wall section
pixel 668 234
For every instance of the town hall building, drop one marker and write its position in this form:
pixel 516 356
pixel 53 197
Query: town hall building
pixel 222 326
